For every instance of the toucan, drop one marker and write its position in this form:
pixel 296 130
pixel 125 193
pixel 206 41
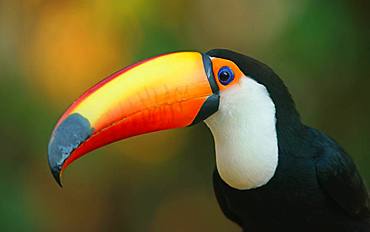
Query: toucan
pixel 273 173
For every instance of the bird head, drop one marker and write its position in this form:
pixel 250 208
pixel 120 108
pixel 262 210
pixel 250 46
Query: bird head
pixel 171 91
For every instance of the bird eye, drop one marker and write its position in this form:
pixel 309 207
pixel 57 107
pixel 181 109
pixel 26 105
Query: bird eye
pixel 225 75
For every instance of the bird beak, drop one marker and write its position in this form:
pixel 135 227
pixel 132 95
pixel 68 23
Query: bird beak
pixel 168 91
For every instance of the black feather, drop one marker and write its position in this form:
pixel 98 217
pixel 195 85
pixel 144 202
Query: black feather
pixel 316 186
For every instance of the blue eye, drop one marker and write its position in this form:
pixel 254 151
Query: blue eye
pixel 225 75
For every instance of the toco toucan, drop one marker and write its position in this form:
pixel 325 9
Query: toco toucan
pixel 273 173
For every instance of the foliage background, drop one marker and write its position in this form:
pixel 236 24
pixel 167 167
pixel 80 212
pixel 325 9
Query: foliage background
pixel 51 51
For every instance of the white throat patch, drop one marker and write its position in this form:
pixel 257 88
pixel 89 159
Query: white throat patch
pixel 244 130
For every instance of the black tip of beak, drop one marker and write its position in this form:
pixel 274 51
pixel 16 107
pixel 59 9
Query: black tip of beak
pixel 57 178
pixel 73 131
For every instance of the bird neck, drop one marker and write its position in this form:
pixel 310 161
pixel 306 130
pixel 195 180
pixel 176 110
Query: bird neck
pixel 244 130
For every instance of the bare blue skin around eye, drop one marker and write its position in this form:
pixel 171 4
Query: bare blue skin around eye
pixel 222 75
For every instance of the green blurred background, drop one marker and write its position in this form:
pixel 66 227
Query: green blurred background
pixel 51 51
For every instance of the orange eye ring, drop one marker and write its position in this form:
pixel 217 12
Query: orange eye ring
pixel 229 69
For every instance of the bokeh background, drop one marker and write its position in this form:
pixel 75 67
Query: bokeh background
pixel 51 51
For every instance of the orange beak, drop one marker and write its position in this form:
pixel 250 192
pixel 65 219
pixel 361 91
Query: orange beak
pixel 168 91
